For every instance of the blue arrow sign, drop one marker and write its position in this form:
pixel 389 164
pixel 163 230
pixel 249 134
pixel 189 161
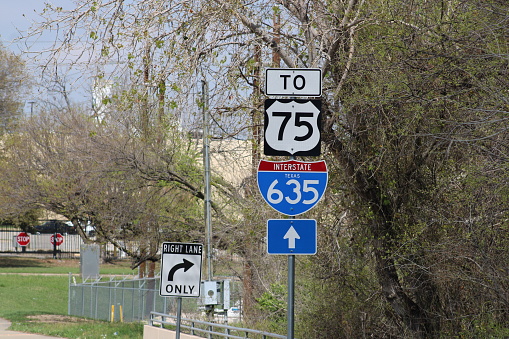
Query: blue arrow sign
pixel 292 187
pixel 291 236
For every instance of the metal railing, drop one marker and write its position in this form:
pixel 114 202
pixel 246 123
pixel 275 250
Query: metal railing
pixel 210 329
pixel 40 243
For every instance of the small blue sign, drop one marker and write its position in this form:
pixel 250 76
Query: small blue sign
pixel 292 187
pixel 291 236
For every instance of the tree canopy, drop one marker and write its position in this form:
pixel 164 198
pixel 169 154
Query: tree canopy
pixel 13 85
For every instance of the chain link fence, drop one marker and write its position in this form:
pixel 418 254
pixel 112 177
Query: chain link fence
pixel 128 299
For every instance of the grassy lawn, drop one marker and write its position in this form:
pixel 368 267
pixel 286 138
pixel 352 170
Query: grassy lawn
pixel 37 303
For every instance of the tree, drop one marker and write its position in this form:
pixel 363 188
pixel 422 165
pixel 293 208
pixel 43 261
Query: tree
pixel 414 107
pixel 13 85
pixel 100 173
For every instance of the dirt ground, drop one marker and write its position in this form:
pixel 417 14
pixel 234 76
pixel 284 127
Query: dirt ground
pixel 25 261
pixel 55 318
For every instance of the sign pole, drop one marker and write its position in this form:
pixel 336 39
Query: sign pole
pixel 55 243
pixel 291 295
pixel 291 289
pixel 179 317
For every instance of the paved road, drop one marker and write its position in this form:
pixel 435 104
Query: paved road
pixel 5 334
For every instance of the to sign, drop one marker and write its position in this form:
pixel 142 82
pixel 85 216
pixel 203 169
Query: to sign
pixel 295 82
pixel 23 239
pixel 180 270
pixel 291 236
pixel 59 239
pixel 292 127
pixel 292 187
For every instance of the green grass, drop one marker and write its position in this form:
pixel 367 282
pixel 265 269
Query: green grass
pixel 33 293
pixel 25 299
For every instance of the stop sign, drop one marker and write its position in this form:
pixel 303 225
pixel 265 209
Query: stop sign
pixel 23 239
pixel 59 239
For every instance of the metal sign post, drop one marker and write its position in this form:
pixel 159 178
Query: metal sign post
pixel 179 317
pixel 291 295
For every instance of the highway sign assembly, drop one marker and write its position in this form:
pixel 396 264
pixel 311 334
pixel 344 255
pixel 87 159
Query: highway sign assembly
pixel 292 127
pixel 291 236
pixel 295 82
pixel 180 270
pixel 292 187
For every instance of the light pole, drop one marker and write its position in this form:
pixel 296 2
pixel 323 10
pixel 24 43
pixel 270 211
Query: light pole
pixel 31 102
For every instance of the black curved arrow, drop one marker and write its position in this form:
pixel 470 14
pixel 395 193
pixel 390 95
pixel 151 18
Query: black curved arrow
pixel 186 265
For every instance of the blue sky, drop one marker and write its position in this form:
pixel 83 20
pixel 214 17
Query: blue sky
pixel 18 16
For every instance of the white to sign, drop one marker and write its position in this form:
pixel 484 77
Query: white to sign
pixel 180 270
pixel 292 187
pixel 292 127
pixel 295 82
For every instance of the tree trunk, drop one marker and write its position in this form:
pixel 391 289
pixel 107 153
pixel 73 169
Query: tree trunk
pixel 413 315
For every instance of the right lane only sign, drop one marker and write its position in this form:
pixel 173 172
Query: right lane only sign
pixel 292 187
pixel 180 269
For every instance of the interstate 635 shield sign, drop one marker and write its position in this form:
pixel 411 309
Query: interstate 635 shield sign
pixel 292 187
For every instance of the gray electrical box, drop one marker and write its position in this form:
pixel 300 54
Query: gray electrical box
pixel 210 292
pixel 216 293
pixel 89 261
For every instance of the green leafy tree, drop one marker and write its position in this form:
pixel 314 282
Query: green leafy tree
pixel 13 86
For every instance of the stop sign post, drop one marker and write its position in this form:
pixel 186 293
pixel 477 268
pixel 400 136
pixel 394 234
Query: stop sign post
pixel 56 239
pixel 23 239
pixel 59 239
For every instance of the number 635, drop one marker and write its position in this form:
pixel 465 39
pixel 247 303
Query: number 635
pixel 275 196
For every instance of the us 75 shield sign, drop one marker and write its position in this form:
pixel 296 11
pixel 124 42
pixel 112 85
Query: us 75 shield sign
pixel 292 187
pixel 292 127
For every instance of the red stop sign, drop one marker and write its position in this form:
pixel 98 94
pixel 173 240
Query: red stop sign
pixel 23 239
pixel 59 241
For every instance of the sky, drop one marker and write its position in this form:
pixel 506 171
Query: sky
pixel 18 15
pixel 16 18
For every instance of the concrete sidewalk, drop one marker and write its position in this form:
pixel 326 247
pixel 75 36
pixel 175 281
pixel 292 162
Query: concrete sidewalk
pixel 5 334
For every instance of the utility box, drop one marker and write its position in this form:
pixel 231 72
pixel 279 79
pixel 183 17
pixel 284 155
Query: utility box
pixel 89 261
pixel 216 293
pixel 210 292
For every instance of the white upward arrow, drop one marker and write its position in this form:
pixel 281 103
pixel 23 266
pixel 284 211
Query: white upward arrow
pixel 291 235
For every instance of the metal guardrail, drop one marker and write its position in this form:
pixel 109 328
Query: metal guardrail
pixel 208 328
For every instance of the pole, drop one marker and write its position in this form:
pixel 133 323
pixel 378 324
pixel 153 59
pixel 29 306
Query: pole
pixel 179 317
pixel 206 163
pixel 291 289
pixel 291 295
pixel 55 241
